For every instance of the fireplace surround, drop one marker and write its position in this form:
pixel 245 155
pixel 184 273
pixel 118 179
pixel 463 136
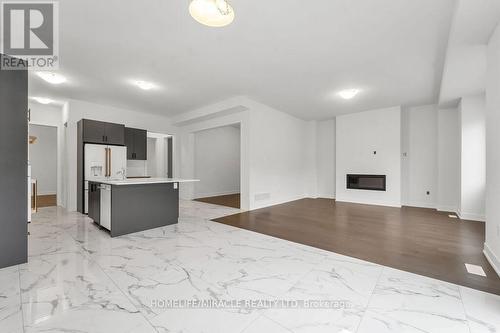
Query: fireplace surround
pixel 366 182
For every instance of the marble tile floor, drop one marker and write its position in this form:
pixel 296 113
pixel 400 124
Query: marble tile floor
pixel 78 279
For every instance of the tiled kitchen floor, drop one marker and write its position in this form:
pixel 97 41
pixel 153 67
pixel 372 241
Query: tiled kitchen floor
pixel 78 279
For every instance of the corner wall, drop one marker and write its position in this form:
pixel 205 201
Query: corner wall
pixel 492 244
pixel 448 169
pixel 325 158
pixel 473 158
pixel 358 136
pixel 275 150
pixel 419 137
pixel 217 161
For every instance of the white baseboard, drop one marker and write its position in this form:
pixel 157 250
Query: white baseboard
pixel 264 204
pixel 471 217
pixel 492 258
pixel 420 205
pixel 46 193
pixel 214 194
pixel 325 195
pixel 367 202
pixel 449 209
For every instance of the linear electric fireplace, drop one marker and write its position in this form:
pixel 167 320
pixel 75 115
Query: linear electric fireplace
pixel 367 182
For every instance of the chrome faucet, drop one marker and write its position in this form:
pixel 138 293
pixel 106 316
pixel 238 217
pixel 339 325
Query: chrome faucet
pixel 122 172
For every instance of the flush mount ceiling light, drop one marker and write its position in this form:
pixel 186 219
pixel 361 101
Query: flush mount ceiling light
pixel 144 85
pixel 43 100
pixel 348 93
pixel 52 78
pixel 212 13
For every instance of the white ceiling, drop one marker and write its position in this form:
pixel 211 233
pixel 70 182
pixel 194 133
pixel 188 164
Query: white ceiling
pixel 466 61
pixel 290 54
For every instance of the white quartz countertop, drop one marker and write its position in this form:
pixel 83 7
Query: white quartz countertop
pixel 145 181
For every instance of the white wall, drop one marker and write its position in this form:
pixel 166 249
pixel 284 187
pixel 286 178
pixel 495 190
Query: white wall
pixel 274 150
pixel 48 115
pixel 157 162
pixel 76 110
pixel 152 163
pixel 357 137
pixel 280 164
pixel 492 244
pixel 325 158
pixel 43 158
pixel 419 165
pixel 217 161
pixel 448 160
pixel 473 157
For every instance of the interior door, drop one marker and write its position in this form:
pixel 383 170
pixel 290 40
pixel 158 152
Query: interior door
pixel 118 159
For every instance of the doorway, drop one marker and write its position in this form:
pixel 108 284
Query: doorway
pixel 217 156
pixel 159 160
pixel 43 163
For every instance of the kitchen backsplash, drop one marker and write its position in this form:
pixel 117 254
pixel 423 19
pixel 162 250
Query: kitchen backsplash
pixel 137 168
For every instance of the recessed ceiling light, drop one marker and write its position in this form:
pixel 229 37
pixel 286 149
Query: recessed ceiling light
pixel 50 77
pixel 144 85
pixel 212 13
pixel 43 100
pixel 348 93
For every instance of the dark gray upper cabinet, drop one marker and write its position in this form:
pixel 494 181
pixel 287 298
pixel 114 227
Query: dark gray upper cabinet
pixel 136 141
pixel 103 133
pixel 129 142
pixel 141 145
pixel 115 134
pixel 93 131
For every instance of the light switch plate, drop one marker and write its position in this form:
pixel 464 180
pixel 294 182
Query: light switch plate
pixel 176 186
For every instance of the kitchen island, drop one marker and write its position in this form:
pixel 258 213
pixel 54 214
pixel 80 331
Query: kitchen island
pixel 133 205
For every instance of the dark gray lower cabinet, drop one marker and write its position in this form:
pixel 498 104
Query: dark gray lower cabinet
pixel 13 167
pixel 142 207
pixel 95 202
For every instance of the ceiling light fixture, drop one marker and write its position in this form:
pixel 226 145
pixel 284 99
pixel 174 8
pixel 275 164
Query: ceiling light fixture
pixel 43 100
pixel 50 77
pixel 212 13
pixel 348 93
pixel 144 85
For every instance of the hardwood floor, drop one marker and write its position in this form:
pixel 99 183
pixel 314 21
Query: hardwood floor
pixel 417 240
pixel 230 200
pixel 46 201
